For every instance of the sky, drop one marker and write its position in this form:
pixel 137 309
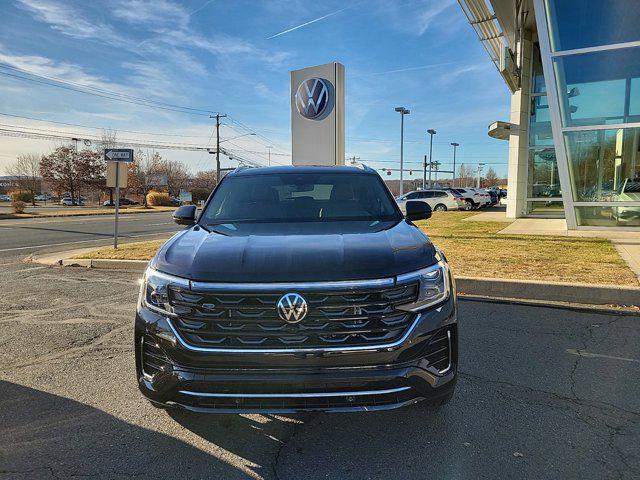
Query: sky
pixel 234 57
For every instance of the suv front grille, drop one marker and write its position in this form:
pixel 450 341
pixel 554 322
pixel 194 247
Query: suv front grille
pixel 334 319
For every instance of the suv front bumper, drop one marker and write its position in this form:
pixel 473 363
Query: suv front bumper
pixel 376 378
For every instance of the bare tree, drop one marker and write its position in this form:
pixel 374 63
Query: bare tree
pixel 26 169
pixel 490 178
pixel 176 173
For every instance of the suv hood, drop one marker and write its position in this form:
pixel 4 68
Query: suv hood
pixel 200 255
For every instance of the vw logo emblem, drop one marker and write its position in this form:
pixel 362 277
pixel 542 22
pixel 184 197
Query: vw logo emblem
pixel 312 97
pixel 292 308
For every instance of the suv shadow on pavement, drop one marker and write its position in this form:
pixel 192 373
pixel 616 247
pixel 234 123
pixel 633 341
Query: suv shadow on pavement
pixel 67 438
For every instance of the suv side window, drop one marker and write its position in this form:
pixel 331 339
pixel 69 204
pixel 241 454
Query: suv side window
pixel 412 196
pixel 439 194
pixel 427 194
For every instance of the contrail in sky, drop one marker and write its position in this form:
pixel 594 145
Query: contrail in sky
pixel 308 23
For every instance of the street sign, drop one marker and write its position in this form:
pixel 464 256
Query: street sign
pixel 156 180
pixel 118 154
pixel 185 196
pixel 117 159
pixel 121 174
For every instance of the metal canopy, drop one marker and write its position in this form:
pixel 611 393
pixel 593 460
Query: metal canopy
pixel 485 24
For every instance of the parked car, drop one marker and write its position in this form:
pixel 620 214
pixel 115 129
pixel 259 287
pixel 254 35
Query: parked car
pixel 5 198
pixel 439 200
pixel 297 288
pixel 629 191
pixel 43 198
pixel 123 201
pixel 67 202
pixel 485 198
pixel 495 197
pixel 471 199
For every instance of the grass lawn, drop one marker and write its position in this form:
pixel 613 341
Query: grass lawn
pixel 474 249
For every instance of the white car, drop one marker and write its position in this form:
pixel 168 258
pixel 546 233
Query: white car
pixel 484 197
pixel 439 200
pixel 68 203
pixel 629 191
pixel 472 198
pixel 5 198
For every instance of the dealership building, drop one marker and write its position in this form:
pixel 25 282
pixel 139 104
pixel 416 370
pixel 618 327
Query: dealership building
pixel 573 69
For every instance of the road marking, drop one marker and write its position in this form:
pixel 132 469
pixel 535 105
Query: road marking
pixel 82 241
pixel 584 353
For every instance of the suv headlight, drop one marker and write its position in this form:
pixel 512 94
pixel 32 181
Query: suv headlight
pixel 154 293
pixel 433 286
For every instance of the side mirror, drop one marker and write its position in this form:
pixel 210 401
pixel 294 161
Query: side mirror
pixel 185 215
pixel 417 210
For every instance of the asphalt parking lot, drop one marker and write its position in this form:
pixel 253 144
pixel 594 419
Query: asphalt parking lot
pixel 543 393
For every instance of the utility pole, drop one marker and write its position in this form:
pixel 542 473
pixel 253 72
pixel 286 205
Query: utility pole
pixel 454 144
pixel 402 111
pixel 437 167
pixel 480 165
pixel 431 133
pixel 217 117
pixel 269 148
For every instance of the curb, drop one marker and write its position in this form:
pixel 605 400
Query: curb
pixel 549 291
pixel 128 265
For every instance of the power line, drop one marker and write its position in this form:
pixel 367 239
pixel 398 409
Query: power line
pixel 99 128
pixel 101 92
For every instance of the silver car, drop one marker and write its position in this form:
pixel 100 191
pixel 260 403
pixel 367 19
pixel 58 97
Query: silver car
pixel 439 200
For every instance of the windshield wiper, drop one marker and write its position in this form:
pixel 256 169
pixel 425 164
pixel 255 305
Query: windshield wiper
pixel 237 220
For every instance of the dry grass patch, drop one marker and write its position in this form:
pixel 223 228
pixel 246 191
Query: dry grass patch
pixel 475 249
pixel 126 251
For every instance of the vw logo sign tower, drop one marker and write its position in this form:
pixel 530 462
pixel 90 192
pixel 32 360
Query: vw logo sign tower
pixel 317 115
pixel 312 98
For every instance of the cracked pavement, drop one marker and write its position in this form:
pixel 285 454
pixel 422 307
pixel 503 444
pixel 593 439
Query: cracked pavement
pixel 530 402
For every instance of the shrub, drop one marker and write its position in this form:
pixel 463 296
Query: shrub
pixel 18 206
pixel 21 196
pixel 159 199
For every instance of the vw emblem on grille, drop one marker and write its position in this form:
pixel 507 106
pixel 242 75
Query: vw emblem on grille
pixel 313 97
pixel 292 307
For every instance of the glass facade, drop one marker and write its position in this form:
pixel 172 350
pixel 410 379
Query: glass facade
pixel 543 182
pixel 549 208
pixel 591 53
pixel 604 165
pixel 592 23
pixel 599 88
pixel 543 179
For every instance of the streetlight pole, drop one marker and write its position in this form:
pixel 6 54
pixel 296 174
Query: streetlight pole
pixel 454 144
pixel 431 133
pixel 402 111
pixel 269 148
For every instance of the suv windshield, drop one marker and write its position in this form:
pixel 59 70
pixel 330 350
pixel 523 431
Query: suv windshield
pixel 304 197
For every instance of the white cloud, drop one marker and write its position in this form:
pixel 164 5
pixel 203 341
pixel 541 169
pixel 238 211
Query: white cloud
pixel 66 20
pixel 155 12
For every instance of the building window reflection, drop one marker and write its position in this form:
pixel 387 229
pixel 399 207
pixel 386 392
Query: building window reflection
pixel 543 178
pixel 590 23
pixel 599 88
pixel 604 165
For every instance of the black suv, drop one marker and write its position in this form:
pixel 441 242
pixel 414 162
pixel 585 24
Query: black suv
pixel 298 288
